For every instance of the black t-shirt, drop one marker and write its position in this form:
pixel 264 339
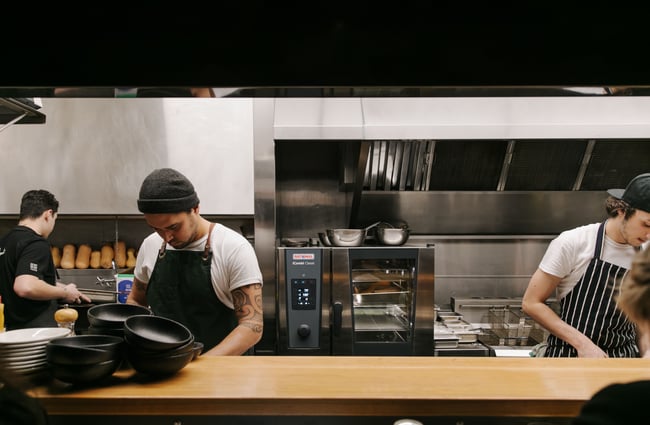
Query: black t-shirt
pixel 23 251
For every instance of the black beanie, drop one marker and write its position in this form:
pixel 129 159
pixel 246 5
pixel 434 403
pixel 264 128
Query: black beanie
pixel 166 191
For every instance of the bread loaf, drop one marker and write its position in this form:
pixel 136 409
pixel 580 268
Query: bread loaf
pixel 83 256
pixel 68 256
pixel 120 254
pixel 106 257
pixel 130 257
pixel 95 257
pixel 56 256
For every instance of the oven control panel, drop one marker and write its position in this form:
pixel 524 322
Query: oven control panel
pixel 303 291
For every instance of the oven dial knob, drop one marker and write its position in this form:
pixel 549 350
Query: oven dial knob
pixel 304 330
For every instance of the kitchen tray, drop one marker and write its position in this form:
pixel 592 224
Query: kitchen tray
pixel 375 319
pixel 380 299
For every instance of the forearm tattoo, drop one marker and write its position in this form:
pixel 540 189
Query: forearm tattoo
pixel 247 302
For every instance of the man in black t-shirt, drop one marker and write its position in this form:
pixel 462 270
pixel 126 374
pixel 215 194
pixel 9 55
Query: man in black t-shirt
pixel 28 284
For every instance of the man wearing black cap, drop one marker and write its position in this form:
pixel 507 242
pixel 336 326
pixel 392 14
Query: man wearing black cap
pixel 201 274
pixel 584 267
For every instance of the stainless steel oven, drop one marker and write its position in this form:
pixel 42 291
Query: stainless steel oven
pixel 355 300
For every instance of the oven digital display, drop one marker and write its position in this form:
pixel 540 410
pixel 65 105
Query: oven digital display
pixel 303 294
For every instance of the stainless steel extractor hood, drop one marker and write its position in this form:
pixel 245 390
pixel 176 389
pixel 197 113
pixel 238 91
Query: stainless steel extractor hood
pixel 19 110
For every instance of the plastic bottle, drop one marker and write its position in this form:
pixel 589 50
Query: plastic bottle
pixel 2 316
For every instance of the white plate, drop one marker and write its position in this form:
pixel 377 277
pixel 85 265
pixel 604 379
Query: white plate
pixel 29 351
pixel 25 364
pixel 21 357
pixel 32 370
pixel 31 336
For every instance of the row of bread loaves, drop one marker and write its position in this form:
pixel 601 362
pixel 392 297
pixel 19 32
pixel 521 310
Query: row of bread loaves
pixel 83 257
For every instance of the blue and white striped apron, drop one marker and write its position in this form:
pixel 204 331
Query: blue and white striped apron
pixel 590 307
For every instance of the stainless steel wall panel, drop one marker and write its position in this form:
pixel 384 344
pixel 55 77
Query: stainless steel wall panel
pixel 485 266
pixel 484 213
pixel 265 218
pixel 318 119
pixel 94 153
pixel 507 118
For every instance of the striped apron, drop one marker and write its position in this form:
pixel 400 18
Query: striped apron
pixel 590 307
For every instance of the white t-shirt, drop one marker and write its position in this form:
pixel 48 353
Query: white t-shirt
pixel 234 263
pixel 569 254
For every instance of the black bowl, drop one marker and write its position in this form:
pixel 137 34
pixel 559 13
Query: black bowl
pixel 84 349
pixel 113 315
pixel 197 349
pixel 160 366
pixel 77 355
pixel 155 333
pixel 108 342
pixel 106 330
pixel 83 374
pixel 154 354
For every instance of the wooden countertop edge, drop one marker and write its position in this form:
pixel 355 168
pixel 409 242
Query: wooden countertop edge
pixel 350 386
pixel 332 407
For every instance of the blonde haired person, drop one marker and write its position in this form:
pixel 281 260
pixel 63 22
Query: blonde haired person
pixel 634 298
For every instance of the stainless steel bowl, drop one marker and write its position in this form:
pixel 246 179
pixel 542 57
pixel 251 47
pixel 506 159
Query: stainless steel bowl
pixel 346 237
pixel 395 237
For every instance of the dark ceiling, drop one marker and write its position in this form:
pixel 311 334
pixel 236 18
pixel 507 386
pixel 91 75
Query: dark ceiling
pixel 259 44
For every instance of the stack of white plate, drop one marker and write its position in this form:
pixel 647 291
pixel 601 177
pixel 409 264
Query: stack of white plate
pixel 23 350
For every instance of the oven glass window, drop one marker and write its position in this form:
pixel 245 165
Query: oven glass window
pixel 383 300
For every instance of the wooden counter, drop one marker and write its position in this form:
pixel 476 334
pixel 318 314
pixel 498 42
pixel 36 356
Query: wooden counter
pixel 351 386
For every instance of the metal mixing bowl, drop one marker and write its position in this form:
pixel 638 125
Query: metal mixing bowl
pixel 346 237
pixel 387 236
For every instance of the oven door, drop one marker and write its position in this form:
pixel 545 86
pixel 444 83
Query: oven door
pixel 382 301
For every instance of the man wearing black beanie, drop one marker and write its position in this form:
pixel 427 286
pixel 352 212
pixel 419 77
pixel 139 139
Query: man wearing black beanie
pixel 201 274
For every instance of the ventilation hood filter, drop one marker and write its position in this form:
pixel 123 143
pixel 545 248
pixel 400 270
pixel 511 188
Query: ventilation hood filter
pixel 19 110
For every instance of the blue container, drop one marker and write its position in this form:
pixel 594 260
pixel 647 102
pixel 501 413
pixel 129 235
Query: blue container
pixel 124 285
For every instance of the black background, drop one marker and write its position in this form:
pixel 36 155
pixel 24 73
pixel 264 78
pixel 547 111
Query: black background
pixel 264 44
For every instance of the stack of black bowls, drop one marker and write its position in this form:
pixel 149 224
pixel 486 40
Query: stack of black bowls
pixel 83 359
pixel 108 319
pixel 157 345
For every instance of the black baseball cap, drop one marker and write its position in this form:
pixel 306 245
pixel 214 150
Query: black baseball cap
pixel 637 192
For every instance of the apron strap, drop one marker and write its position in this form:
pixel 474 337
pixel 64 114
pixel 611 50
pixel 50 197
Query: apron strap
pixel 600 240
pixel 208 250
pixel 161 251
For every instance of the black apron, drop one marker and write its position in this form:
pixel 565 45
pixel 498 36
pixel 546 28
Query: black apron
pixel 180 288
pixel 590 307
pixel 45 319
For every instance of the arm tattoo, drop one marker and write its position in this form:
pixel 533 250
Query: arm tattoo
pixel 247 302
